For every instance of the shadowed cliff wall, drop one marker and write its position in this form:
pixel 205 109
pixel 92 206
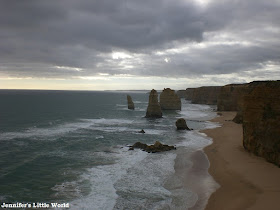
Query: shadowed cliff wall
pixel 206 95
pixel 261 120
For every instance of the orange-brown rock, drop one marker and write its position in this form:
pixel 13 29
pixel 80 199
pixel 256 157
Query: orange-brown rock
pixel 206 95
pixel 261 120
pixel 229 96
pixel 153 110
pixel 130 103
pixel 169 100
pixel 245 90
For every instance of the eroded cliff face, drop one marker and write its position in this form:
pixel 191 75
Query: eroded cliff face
pixel 206 95
pixel 153 110
pixel 181 93
pixel 189 93
pixel 169 100
pixel 261 120
pixel 229 97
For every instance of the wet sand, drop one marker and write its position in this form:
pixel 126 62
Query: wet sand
pixel 195 176
pixel 246 181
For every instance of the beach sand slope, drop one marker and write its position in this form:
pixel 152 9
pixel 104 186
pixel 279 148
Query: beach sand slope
pixel 247 181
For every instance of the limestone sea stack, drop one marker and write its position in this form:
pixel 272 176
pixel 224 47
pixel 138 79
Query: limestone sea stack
pixel 169 100
pixel 261 120
pixel 130 103
pixel 181 124
pixel 153 110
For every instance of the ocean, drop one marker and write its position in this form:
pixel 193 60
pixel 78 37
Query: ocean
pixel 72 147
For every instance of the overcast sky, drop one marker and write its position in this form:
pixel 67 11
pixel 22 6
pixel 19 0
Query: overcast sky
pixel 137 44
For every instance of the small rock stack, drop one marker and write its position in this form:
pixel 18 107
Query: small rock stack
pixel 130 103
pixel 181 124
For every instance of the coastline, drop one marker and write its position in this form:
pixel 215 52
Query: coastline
pixel 246 181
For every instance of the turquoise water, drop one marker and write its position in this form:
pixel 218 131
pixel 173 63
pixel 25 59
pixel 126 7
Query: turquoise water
pixel 71 146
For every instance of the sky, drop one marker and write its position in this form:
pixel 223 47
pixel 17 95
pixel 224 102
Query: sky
pixel 137 44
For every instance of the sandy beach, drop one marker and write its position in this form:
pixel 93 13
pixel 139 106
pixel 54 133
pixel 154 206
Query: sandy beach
pixel 246 181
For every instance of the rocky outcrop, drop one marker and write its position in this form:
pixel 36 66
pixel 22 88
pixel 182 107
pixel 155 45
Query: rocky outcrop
pixel 206 95
pixel 153 110
pixel 261 120
pixel 156 147
pixel 181 124
pixel 142 131
pixel 169 100
pixel 130 103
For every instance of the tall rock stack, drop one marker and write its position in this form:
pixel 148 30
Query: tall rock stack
pixel 169 100
pixel 261 120
pixel 153 110
pixel 130 103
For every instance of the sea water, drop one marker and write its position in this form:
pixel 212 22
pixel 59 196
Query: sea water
pixel 72 147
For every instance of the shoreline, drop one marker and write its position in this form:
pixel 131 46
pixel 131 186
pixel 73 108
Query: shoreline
pixel 246 181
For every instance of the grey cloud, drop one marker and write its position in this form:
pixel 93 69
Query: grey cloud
pixel 75 33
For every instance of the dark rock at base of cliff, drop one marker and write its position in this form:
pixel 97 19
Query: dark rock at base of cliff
pixel 130 103
pixel 156 147
pixel 181 124
pixel 238 118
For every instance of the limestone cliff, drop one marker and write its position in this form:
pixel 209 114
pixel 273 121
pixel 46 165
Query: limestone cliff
pixel 130 103
pixel 181 93
pixel 169 100
pixel 189 93
pixel 153 110
pixel 261 120
pixel 229 97
pixel 245 90
pixel 206 95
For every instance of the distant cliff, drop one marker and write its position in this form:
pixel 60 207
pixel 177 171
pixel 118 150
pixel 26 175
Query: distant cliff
pixel 181 93
pixel 169 100
pixel 206 95
pixel 189 93
pixel 261 120
pixel 229 96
